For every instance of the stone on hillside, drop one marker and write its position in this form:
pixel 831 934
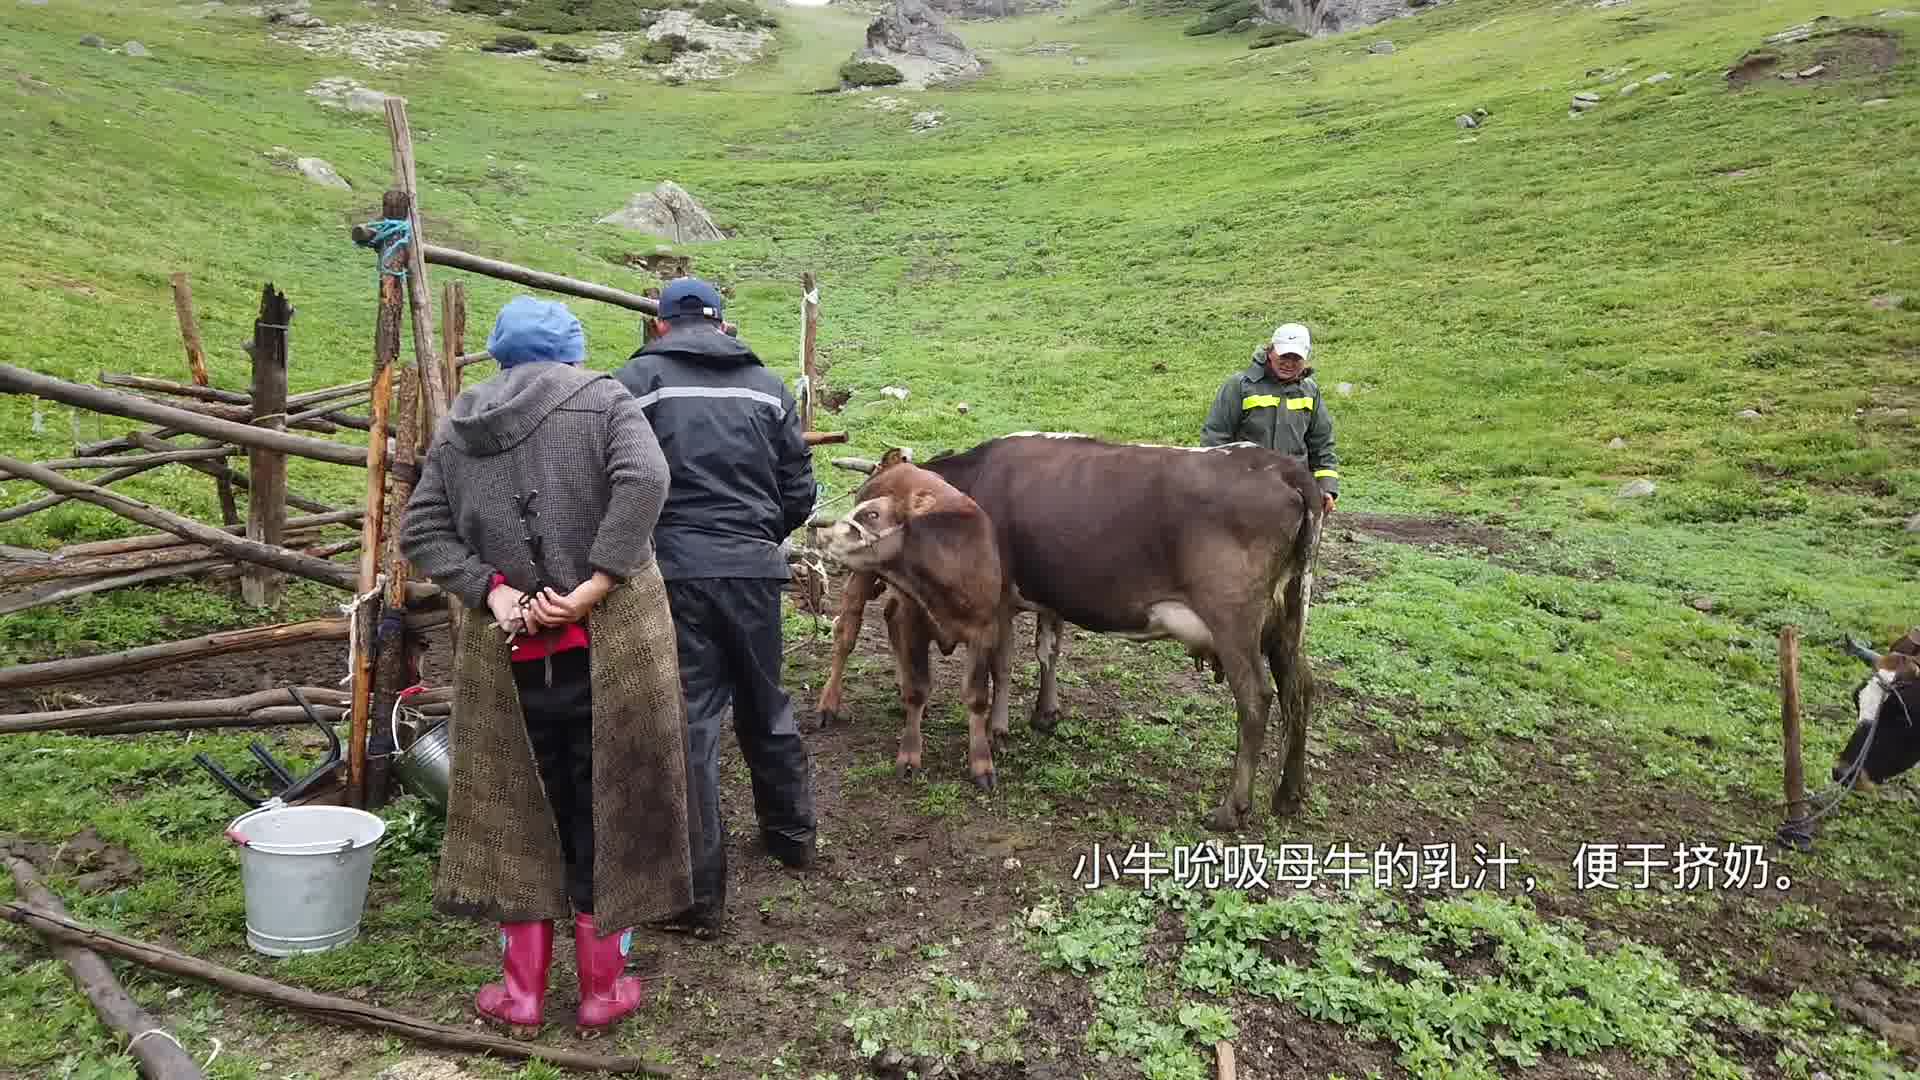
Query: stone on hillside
pixel 927 121
pixel 1381 48
pixel 991 9
pixel 1318 17
pixel 1345 389
pixel 963 408
pixel 1580 106
pixel 666 211
pixel 1081 61
pixel 1481 113
pixel 94 41
pixel 320 172
pixel 1628 89
pixel 593 95
pixel 443 5
pixel 1887 303
pixel 344 93
pixel 1751 414
pixel 1655 80
pixel 1913 523
pixel 1702 603
pixel 1817 69
pixel 1465 121
pixel 914 39
pixel 719 51
pixel 896 392
pixel 1618 443
pixel 1872 103
pixel 1587 96
pixel 134 48
pixel 1791 34
pixel 1637 489
pixel 607 51
pixel 33 3
pixel 376 46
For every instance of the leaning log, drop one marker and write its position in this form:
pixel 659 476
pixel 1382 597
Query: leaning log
pixel 22 573
pixel 164 458
pixel 60 593
pixel 538 279
pixel 338 1010
pixel 148 657
pixel 273 716
pixel 18 380
pixel 293 562
pixel 194 391
pixel 160 1057
pixel 225 475
pixel 99 716
pixel 160 540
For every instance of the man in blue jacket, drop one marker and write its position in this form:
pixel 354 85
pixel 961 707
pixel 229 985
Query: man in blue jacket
pixel 741 482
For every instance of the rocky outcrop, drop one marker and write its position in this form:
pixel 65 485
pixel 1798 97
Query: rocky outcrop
pixel 1333 16
pixel 991 9
pixel 668 212
pixel 913 38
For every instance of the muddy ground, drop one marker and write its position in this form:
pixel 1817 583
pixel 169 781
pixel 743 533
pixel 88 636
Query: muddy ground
pixel 929 875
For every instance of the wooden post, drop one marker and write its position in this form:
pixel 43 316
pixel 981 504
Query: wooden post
pixel 436 398
pixel 1790 723
pixel 392 661
pixel 197 365
pixel 266 468
pixel 1224 1064
pixel 453 312
pixel 809 330
pixel 386 352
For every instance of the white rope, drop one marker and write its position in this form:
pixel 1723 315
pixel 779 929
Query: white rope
pixel 351 611
pixel 217 1047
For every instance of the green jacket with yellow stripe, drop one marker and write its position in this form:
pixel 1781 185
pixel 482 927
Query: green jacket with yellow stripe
pixel 1255 407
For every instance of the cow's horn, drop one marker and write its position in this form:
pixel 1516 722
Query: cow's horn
pixel 1858 649
pixel 854 464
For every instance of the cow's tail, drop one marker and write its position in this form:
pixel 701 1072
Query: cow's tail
pixel 1285 631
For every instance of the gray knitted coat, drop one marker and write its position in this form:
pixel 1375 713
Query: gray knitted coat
pixel 573 439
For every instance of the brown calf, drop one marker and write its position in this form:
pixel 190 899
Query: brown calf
pixel 933 548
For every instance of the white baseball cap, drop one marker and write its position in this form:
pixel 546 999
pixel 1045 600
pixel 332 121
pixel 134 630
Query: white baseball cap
pixel 1293 338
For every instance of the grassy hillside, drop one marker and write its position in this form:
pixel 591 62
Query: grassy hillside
pixel 1510 650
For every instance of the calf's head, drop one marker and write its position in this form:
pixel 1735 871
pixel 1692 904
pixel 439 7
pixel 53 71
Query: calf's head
pixel 874 533
pixel 1886 736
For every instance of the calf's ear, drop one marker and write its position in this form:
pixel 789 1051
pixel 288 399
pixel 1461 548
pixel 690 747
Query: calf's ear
pixel 891 458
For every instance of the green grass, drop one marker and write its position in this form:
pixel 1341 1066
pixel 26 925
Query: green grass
pixel 1095 247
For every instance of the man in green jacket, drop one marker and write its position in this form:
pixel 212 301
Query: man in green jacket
pixel 1276 404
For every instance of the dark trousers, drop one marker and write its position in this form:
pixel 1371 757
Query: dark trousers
pixel 560 727
pixel 728 635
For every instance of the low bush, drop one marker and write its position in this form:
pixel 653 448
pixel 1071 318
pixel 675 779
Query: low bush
pixel 1221 16
pixel 870 73
pixel 479 7
pixel 511 43
pixel 579 16
pixel 737 14
pixel 1268 36
pixel 565 54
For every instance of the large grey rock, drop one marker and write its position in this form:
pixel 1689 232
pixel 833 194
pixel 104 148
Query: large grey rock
pixel 94 41
pixel 322 173
pixel 1913 524
pixel 1637 489
pixel 991 9
pixel 666 211
pixel 1381 48
pixel 135 49
pixel 1465 120
pixel 1655 80
pixel 913 38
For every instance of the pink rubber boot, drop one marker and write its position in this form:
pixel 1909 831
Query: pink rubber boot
pixel 519 1002
pixel 606 994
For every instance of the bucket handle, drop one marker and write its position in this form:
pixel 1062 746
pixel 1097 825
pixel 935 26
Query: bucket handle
pixel 233 828
pixel 317 847
pixel 393 724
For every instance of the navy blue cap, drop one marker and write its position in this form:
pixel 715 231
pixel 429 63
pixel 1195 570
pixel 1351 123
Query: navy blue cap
pixel 690 297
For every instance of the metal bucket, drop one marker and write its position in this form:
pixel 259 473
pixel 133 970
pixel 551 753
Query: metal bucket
pixel 305 872
pixel 427 767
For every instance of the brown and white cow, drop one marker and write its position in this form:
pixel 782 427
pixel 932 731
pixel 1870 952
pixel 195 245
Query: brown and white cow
pixel 1886 734
pixel 1209 547
pixel 934 549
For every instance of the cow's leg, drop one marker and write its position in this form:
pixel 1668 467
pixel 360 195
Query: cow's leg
pixel 1239 657
pixel 909 634
pixel 979 695
pixel 1293 687
pixel 860 588
pixel 1047 631
pixel 1000 675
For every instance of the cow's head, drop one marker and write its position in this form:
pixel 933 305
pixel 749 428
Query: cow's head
pixel 1887 706
pixel 872 533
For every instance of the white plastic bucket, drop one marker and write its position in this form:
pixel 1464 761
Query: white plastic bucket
pixel 305 871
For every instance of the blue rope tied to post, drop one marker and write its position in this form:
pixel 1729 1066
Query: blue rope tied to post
pixel 388 233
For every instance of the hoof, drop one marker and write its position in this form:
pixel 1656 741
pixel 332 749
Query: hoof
pixel 1289 805
pixel 824 719
pixel 905 769
pixel 1044 722
pixel 1225 820
pixel 985 781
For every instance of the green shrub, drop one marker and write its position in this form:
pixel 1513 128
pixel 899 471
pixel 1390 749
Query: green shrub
pixel 670 46
pixel 565 54
pixel 511 43
pixel 479 7
pixel 738 14
pixel 1221 16
pixel 1268 36
pixel 870 73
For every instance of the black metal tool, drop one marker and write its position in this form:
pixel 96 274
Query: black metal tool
pixel 292 789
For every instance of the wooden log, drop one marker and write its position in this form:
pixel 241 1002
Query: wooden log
pixel 338 1010
pixel 274 716
pixel 229 570
pixel 148 657
pixel 809 333
pixel 48 502
pixel 110 715
pixel 195 391
pixel 822 438
pixel 474 358
pixel 331 393
pixel 1790 722
pixel 386 353
pixel 87 566
pixel 197 369
pixel 333 412
pixel 159 1054
pixel 856 464
pixel 233 547
pixel 60 593
pixel 395 657
pixel 18 380
pixel 160 540
pixel 453 338
pixel 222 472
pixel 260 586
pixel 162 458
pixel 506 271
pixel 1223 1061
pixel 220 410
pixel 435 397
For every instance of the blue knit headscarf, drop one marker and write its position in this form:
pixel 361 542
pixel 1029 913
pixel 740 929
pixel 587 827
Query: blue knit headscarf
pixel 529 331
